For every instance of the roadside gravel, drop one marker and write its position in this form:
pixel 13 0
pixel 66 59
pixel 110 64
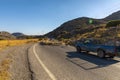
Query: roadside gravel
pixel 19 67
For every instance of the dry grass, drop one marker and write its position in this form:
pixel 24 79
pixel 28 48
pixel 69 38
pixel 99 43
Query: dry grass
pixel 4 66
pixel 46 41
pixel 96 33
pixel 6 43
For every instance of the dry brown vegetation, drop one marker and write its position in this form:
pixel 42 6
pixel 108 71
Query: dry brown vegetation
pixel 6 43
pixel 4 66
pixel 47 41
pixel 78 28
pixel 102 33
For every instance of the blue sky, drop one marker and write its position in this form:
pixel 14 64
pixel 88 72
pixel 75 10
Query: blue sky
pixel 41 16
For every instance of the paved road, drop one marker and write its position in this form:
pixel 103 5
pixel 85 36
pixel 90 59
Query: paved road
pixel 63 63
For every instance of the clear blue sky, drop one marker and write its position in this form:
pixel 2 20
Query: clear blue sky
pixel 42 16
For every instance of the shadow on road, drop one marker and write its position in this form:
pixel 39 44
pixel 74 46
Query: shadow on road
pixel 89 58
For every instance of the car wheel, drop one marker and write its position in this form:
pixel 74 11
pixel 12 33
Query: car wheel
pixel 101 53
pixel 87 51
pixel 78 49
pixel 111 56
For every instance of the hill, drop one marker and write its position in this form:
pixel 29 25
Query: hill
pixel 114 16
pixel 6 35
pixel 77 26
pixel 24 36
pixel 85 27
pixel 17 34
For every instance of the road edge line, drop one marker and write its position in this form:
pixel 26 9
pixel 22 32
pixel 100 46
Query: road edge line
pixel 42 64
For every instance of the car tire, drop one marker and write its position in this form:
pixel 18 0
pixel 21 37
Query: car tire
pixel 78 49
pixel 87 51
pixel 101 53
pixel 111 56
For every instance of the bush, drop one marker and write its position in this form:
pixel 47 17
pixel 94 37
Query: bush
pixel 113 23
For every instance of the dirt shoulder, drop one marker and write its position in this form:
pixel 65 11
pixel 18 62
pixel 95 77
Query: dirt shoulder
pixel 14 64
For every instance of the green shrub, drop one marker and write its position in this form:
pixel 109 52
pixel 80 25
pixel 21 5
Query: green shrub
pixel 113 23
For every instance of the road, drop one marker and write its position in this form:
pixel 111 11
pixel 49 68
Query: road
pixel 64 63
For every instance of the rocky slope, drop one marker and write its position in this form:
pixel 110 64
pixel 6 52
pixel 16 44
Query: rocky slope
pixel 85 27
pixel 77 26
pixel 114 16
pixel 6 35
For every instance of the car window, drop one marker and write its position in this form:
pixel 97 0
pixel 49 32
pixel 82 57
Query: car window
pixel 87 41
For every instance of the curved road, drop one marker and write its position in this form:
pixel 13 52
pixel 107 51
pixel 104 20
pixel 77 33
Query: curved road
pixel 63 63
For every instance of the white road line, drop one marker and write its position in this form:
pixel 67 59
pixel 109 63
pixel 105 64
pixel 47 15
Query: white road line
pixel 42 64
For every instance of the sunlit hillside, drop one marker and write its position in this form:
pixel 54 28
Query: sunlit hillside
pixel 84 27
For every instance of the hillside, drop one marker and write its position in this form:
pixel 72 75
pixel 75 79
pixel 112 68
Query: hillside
pixel 77 26
pixel 82 28
pixel 6 35
pixel 114 16
pixel 17 34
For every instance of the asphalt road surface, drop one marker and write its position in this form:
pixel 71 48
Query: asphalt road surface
pixel 64 63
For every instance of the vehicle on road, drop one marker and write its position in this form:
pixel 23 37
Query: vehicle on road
pixel 110 49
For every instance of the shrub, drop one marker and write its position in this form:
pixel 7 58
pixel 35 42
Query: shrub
pixel 113 23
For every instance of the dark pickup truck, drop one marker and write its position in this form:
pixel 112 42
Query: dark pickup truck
pixel 109 49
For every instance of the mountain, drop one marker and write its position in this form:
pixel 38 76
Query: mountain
pixel 23 36
pixel 77 26
pixel 85 27
pixel 114 16
pixel 17 34
pixel 6 35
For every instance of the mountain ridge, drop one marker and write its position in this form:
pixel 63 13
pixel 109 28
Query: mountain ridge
pixel 113 16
